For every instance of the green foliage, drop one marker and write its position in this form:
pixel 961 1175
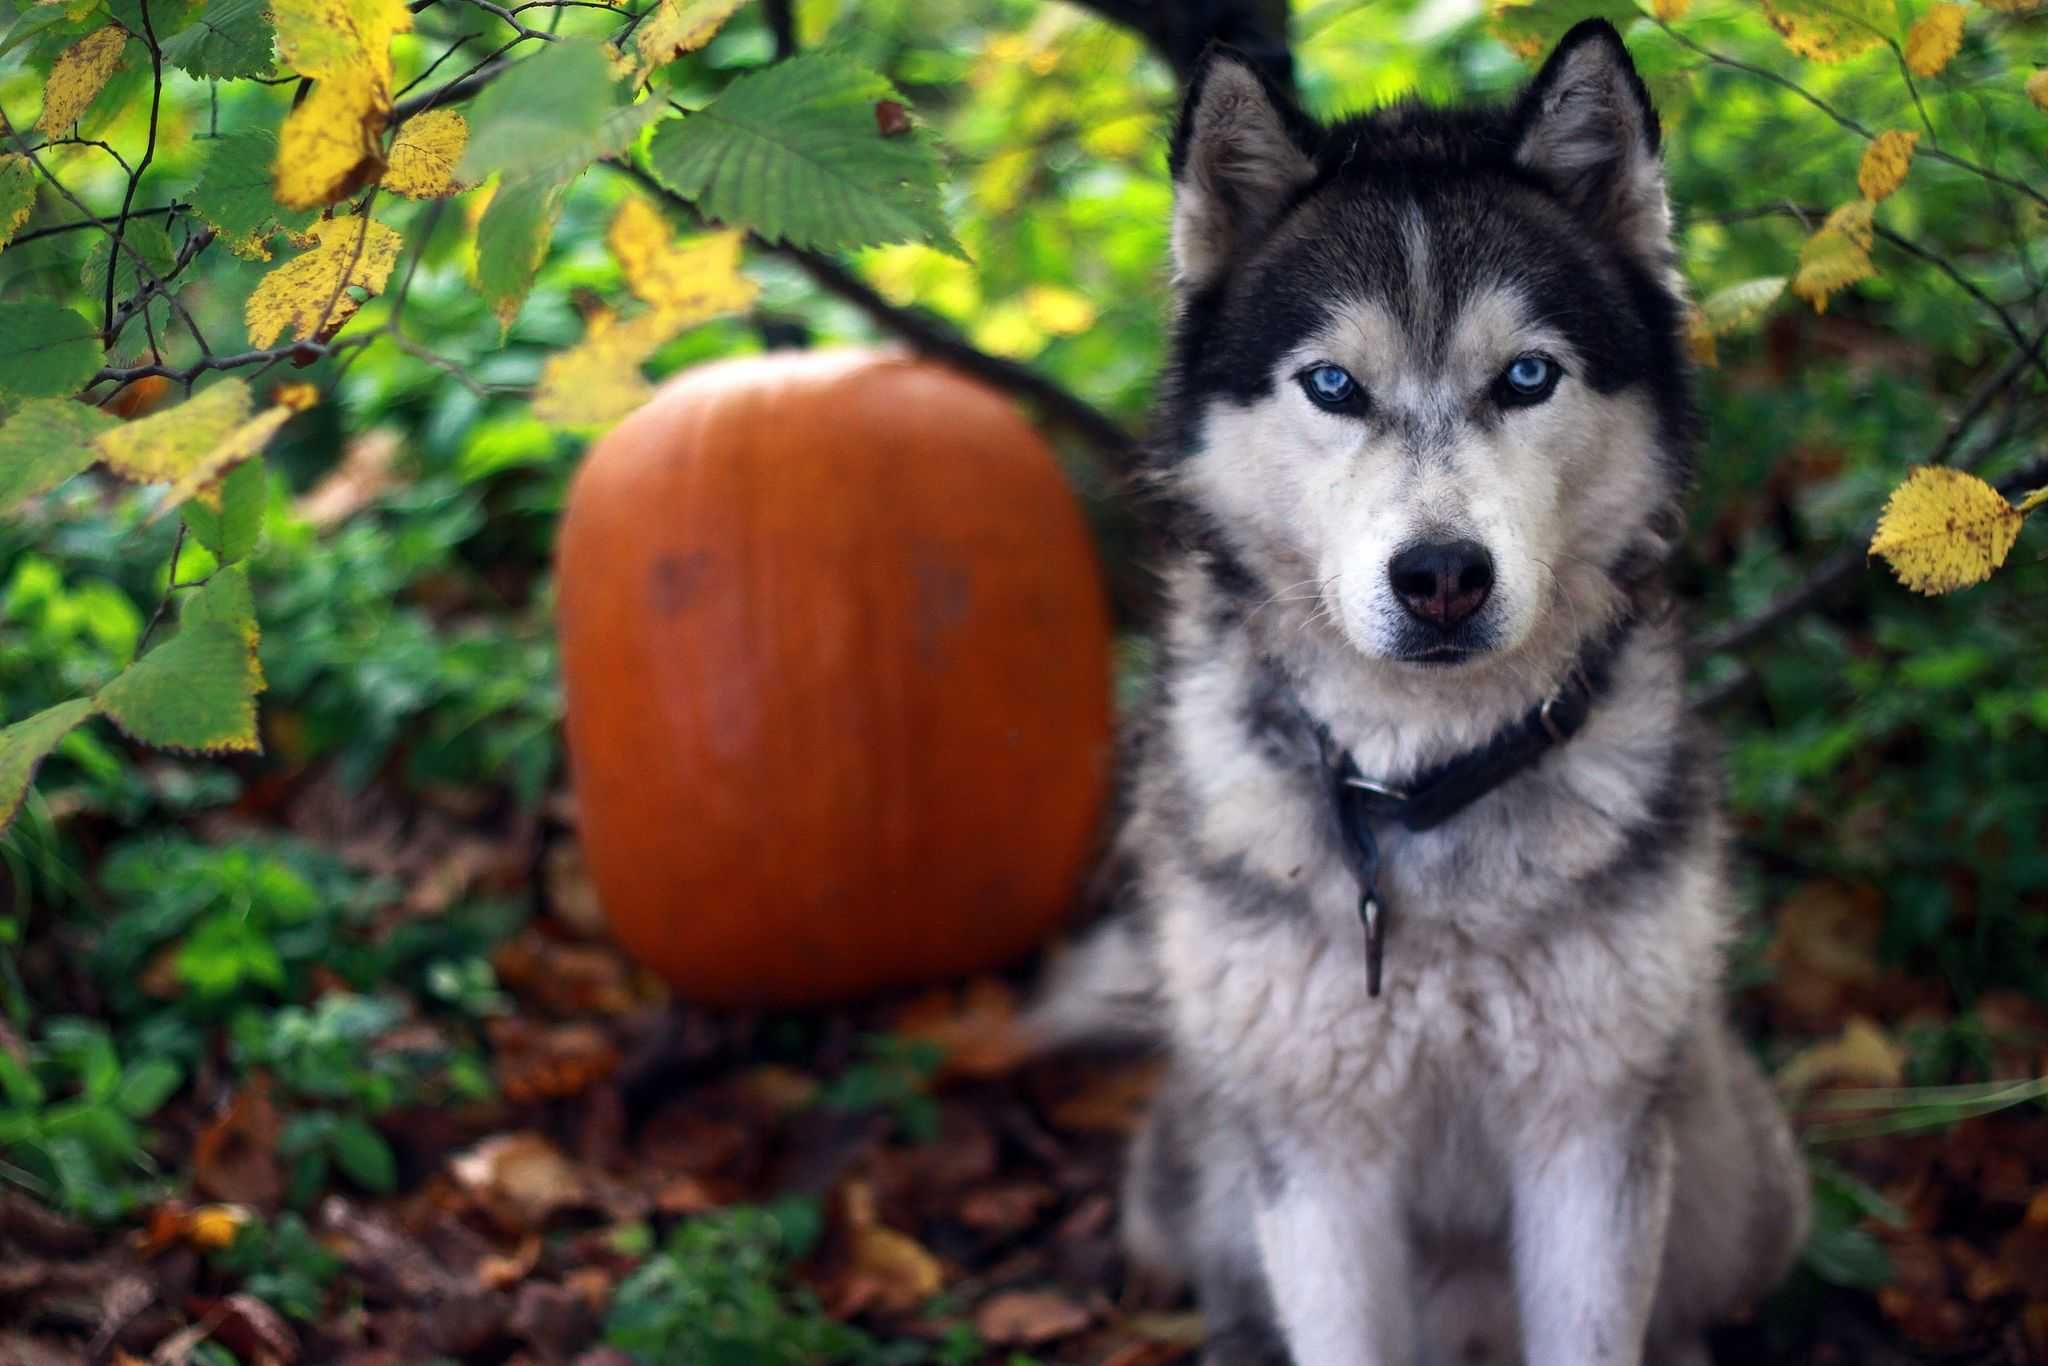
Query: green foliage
pixel 281 1263
pixel 69 1113
pixel 717 1294
pixel 46 442
pixel 45 350
pixel 795 153
pixel 893 1075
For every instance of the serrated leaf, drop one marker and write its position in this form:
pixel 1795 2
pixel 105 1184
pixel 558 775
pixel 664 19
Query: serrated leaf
pixel 679 26
pixel 79 74
pixel 147 238
pixel 46 442
pixel 793 152
pixel 1836 256
pixel 697 280
pixel 168 444
pixel 243 444
pixel 226 40
pixel 234 194
pixel 25 744
pixel 511 242
pixel 1943 529
pixel 308 296
pixel 332 143
pixel 17 196
pixel 1530 28
pixel 1739 305
pixel 197 690
pixel 230 521
pixel 1832 30
pixel 45 350
pixel 551 116
pixel 227 600
pixel 1934 39
pixel 1885 163
pixel 425 154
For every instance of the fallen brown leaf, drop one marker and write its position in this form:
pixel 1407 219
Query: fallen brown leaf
pixel 1114 1101
pixel 235 1157
pixel 1029 1318
pixel 520 1180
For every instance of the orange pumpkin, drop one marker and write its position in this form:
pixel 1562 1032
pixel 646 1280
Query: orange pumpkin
pixel 836 652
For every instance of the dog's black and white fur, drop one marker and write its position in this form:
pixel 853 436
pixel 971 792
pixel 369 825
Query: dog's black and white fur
pixel 1423 439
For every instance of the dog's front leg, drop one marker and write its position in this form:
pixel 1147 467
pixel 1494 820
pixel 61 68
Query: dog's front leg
pixel 1589 1217
pixel 1333 1238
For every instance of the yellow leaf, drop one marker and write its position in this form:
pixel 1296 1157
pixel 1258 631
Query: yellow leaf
pixel 1943 529
pixel 1670 11
pixel 212 1227
pixel 1831 30
pixel 1736 307
pixel 680 26
pixel 598 381
pixel 1884 164
pixel 2037 89
pixel 307 297
pixel 165 445
pixel 1060 311
pixel 1699 339
pixel 243 443
pixel 297 397
pixel 698 280
pixel 424 155
pixel 322 38
pixel 1861 1055
pixel 1836 256
pixel 1934 39
pixel 332 144
pixel 79 73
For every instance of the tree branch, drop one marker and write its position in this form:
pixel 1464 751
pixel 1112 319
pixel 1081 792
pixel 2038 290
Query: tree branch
pixel 938 339
pixel 1181 30
pixel 1840 566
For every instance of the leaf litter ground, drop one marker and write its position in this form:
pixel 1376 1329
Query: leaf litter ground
pixel 960 1200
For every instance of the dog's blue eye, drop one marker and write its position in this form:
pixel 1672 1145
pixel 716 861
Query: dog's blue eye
pixel 1529 379
pixel 1330 386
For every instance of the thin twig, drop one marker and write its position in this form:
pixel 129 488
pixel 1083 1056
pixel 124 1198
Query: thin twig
pixel 156 98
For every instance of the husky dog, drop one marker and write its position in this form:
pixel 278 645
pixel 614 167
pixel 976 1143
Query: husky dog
pixel 1446 1085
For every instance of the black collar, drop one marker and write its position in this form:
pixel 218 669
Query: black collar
pixel 1431 797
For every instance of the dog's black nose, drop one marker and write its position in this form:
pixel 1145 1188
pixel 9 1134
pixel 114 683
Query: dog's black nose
pixel 1442 582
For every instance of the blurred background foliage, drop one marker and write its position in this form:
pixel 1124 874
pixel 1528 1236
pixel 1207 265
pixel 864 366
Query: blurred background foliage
pixel 1886 752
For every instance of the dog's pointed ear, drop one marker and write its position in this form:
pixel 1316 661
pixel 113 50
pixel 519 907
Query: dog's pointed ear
pixel 1585 124
pixel 1239 152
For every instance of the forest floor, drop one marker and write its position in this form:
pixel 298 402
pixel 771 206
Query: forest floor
pixel 653 1183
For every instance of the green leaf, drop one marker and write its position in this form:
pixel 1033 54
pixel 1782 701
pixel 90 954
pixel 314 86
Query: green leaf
pixel 196 691
pixel 17 195
pixel 24 744
pixel 46 350
pixel 1740 305
pixel 551 116
pixel 147 238
pixel 362 1153
pixel 236 196
pixel 45 443
pixel 146 1085
pixel 512 241
pixel 794 153
pixel 228 39
pixel 232 529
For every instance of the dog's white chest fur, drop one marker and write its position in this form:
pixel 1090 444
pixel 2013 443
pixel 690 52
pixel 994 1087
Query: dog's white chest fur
pixel 1506 1032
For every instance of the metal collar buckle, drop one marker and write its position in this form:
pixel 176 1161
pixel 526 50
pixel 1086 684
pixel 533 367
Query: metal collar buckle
pixel 1387 790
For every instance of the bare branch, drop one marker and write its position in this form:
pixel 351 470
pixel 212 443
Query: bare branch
pixel 1840 566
